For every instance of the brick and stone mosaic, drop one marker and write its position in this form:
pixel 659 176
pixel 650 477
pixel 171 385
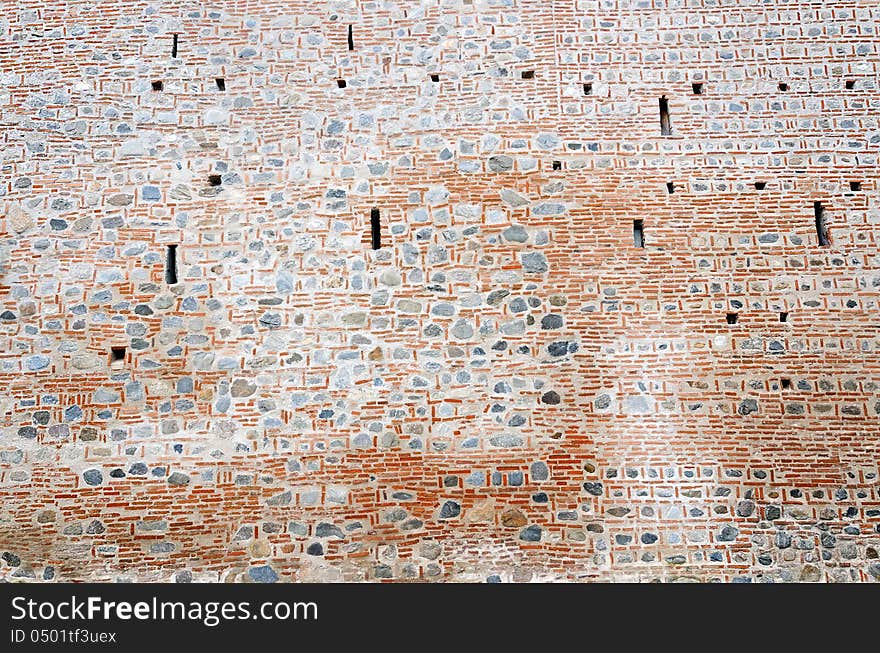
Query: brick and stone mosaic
pixel 440 290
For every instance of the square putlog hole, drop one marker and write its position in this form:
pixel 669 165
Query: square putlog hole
pixel 117 356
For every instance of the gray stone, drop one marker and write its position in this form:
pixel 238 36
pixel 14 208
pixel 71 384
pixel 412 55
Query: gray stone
pixel 263 574
pixel 539 471
pixel 462 329
pixel 772 513
pixel 95 527
pixel 35 363
pixel 512 198
pixel 242 388
pixel 745 508
pixel 603 401
pixel 728 534
pixel 450 510
pixel 270 320
pixel 551 321
pixel 748 406
pixel 93 477
pixel 324 529
pixel 531 533
pixel 501 163
pixel 282 499
pixel 533 262
pixel 515 234
pixel 284 283
pixel 548 208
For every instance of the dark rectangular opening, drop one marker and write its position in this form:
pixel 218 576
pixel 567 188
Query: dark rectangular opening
pixel 588 89
pixel 638 233
pixel 221 84
pixel 821 229
pixel 174 45
pixel 528 74
pixel 375 229
pixel 341 83
pixel 215 180
pixel 171 265
pixel 785 383
pixel 855 186
pixel 117 356
pixel 760 185
pixel 435 77
pixel 665 125
pixel 850 84
pixel 732 318
pixel 670 187
pixel 783 316
pixel 783 86
pixel 351 37
pixel 157 85
pixel 698 88
pixel 557 165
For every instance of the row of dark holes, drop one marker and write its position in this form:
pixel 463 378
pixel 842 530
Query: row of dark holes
pixel 666 125
pixel 848 84
pixel 588 86
pixel 117 354
pixel 697 87
pixel 818 212
pixel 158 84
pixel 733 318
pixel 530 74
pixel 376 237
pixel 854 186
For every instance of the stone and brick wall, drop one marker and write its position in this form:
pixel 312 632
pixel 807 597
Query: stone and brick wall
pixel 208 373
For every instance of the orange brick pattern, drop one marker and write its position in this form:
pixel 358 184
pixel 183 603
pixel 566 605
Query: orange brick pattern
pixel 507 388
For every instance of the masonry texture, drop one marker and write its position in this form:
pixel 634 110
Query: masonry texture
pixel 411 328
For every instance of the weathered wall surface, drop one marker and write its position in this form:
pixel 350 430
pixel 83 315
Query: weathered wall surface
pixel 508 388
